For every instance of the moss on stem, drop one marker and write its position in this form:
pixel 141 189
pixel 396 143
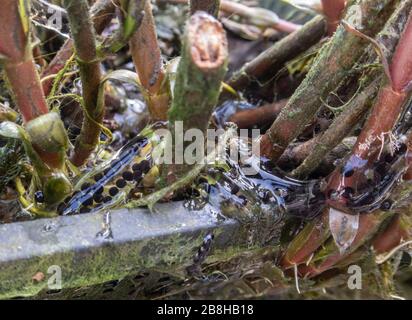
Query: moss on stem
pixel 330 68
pixel 199 76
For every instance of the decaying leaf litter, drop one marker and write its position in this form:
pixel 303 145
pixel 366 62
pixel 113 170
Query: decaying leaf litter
pixel 330 94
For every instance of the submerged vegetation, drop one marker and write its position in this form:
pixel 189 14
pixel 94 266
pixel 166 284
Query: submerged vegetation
pixel 95 95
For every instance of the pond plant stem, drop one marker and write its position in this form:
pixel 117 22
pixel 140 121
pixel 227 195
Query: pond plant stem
pixel 386 109
pixel 362 101
pixel 338 130
pixel 199 77
pixel 148 63
pixel 17 59
pixel 333 9
pixel 331 66
pixel 19 66
pixel 378 127
pixel 83 35
pixel 102 12
pixel 269 62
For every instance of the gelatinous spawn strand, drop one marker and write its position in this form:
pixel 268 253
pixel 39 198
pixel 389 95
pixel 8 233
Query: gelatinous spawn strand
pixel 279 193
pixel 91 195
pixel 269 192
pixel 385 174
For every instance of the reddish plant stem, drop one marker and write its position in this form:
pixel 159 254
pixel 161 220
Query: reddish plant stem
pixel 395 232
pixel 391 237
pixel 25 83
pixel 385 112
pixel 312 236
pixel 149 65
pixel 19 64
pixel 245 119
pixel 401 68
pixel 333 10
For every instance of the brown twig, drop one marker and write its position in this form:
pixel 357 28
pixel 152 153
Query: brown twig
pixel 268 63
pixel 265 114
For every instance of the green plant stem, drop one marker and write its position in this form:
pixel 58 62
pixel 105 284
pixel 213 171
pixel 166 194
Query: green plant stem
pixel 85 44
pixel 199 76
pixel 102 13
